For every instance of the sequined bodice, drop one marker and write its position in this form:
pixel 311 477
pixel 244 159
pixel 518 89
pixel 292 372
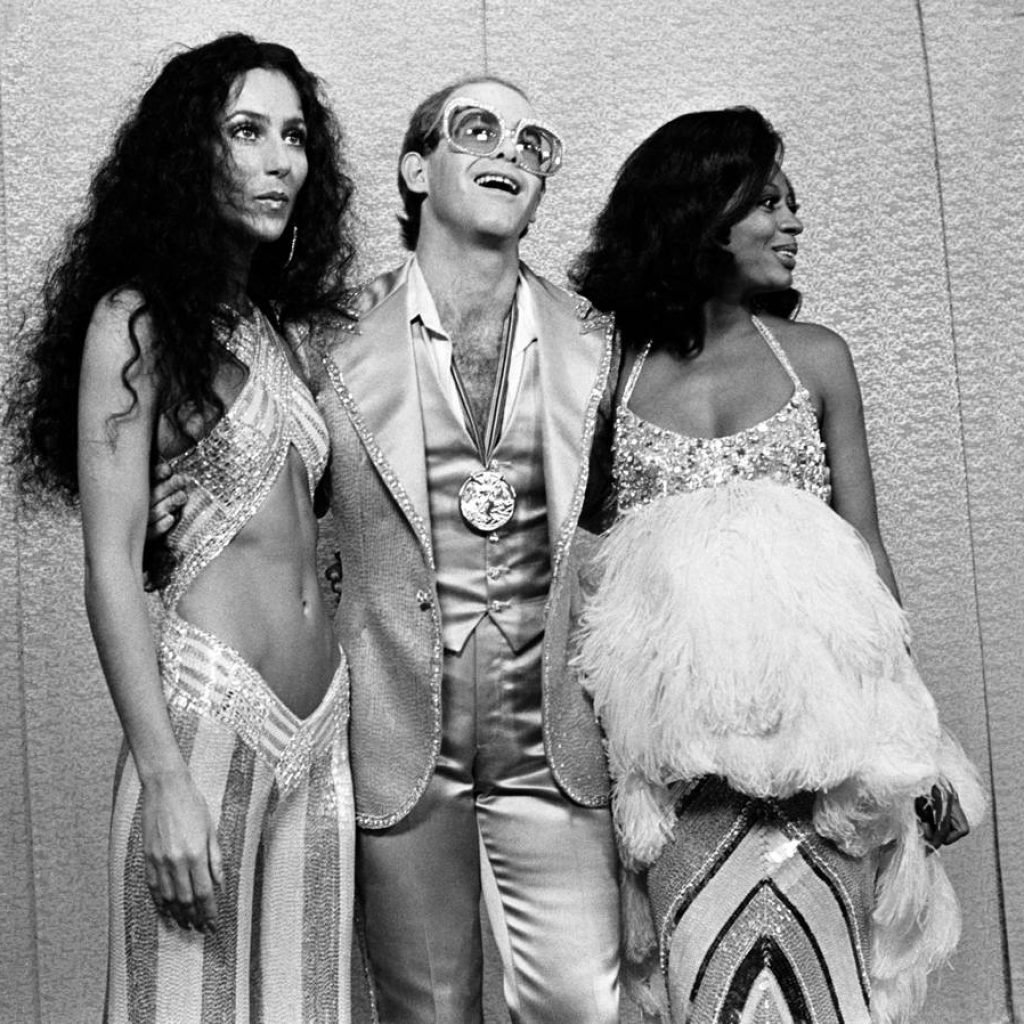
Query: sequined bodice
pixel 231 470
pixel 651 462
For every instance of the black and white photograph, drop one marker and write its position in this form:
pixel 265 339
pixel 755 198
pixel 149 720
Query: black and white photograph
pixel 510 513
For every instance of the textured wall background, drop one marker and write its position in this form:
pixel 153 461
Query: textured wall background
pixel 906 145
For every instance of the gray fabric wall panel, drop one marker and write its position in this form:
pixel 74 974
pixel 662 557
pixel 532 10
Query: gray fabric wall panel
pixel 19 991
pixel 72 741
pixel 905 145
pixel 977 76
pixel 64 76
pixel 387 58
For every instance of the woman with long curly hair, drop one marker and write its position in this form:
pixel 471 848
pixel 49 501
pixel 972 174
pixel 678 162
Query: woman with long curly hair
pixel 171 328
pixel 780 772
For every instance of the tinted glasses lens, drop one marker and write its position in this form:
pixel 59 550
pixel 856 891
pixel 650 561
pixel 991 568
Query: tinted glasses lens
pixel 540 150
pixel 473 130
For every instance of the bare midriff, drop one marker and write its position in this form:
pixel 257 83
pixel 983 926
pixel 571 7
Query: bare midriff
pixel 261 595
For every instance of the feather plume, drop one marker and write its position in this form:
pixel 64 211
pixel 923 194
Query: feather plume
pixel 743 631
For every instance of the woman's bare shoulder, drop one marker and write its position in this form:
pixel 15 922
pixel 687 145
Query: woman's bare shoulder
pixel 117 308
pixel 120 325
pixel 818 354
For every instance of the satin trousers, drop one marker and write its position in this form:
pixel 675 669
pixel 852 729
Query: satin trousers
pixel 493 822
pixel 279 790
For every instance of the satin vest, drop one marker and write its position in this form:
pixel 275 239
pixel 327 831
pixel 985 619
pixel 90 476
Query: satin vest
pixel 389 616
pixel 505 575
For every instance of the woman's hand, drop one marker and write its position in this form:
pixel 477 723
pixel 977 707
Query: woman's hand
pixel 942 819
pixel 333 574
pixel 166 500
pixel 183 858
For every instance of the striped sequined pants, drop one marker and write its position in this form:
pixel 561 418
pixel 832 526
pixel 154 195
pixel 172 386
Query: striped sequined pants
pixel 279 789
pixel 760 918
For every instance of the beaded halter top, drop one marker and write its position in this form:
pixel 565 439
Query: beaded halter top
pixel 231 470
pixel 651 462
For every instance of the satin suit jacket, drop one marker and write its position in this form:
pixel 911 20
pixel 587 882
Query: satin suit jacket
pixel 388 618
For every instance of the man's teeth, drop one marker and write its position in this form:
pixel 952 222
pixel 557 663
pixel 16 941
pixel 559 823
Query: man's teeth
pixel 498 181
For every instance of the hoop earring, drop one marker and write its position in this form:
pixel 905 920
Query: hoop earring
pixel 291 250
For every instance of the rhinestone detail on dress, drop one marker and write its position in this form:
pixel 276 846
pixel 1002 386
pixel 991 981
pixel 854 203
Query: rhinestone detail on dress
pixel 232 469
pixel 652 462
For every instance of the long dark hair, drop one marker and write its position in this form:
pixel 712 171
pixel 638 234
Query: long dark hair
pixel 655 254
pixel 151 224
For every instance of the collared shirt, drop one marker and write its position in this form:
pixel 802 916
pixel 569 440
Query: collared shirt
pixel 426 329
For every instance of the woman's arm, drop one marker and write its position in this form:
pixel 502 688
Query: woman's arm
pixel 114 438
pixel 842 428
pixel 941 817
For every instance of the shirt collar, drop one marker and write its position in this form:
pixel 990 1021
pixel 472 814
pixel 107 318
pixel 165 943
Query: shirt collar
pixel 420 302
pixel 421 307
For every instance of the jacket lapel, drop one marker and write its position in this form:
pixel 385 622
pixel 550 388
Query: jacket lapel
pixel 373 370
pixel 573 368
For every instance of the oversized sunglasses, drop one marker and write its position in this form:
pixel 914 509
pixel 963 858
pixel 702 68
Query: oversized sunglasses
pixel 470 127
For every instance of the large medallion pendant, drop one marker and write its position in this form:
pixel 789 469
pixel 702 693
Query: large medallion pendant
pixel 486 501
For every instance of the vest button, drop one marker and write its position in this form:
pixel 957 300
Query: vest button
pixel 423 597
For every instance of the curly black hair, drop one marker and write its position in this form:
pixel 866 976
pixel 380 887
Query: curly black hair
pixel 656 250
pixel 151 224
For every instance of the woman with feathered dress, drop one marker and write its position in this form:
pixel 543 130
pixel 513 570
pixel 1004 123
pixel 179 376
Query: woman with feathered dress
pixel 781 777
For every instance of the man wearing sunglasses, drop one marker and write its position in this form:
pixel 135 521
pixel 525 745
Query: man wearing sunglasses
pixel 463 403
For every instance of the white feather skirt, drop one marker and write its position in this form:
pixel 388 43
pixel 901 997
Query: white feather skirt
pixel 743 631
